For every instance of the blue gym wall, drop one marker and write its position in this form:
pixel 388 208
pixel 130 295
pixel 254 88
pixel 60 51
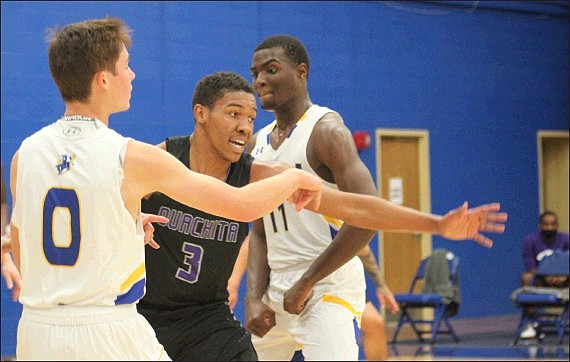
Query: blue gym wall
pixel 481 77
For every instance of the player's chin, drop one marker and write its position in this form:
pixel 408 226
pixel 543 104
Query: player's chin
pixel 233 153
pixel 267 104
pixel 231 157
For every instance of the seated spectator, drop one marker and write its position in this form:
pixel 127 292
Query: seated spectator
pixel 536 245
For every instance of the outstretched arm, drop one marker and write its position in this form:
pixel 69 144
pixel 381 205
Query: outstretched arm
pixel 377 213
pixel 209 194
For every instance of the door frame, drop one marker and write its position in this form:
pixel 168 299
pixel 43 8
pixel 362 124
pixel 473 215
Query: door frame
pixel 542 135
pixel 424 182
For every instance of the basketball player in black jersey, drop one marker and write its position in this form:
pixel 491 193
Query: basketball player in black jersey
pixel 186 299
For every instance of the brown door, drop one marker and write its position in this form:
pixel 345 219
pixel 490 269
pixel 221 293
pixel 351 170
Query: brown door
pixel 553 171
pixel 403 178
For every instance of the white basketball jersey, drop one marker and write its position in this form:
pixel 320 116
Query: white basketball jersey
pixel 79 244
pixel 305 232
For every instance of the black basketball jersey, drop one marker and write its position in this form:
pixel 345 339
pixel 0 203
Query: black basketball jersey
pixel 197 250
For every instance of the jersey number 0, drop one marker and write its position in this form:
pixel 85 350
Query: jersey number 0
pixel 67 199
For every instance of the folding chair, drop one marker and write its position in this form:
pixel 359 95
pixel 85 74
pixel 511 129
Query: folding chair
pixel 546 308
pixel 443 299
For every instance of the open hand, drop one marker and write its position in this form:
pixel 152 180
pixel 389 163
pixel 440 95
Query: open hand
pixel 464 223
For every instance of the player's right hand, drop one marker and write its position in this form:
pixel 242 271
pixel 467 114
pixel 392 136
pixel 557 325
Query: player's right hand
pixel 147 220
pixel 463 223
pixel 260 318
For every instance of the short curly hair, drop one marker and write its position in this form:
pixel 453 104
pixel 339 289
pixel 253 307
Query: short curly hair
pixel 214 86
pixel 293 48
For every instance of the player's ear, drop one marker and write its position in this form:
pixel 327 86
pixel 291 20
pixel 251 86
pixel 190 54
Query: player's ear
pixel 100 79
pixel 200 113
pixel 302 70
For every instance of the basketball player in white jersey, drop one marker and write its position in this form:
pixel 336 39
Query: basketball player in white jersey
pixel 305 284
pixel 77 234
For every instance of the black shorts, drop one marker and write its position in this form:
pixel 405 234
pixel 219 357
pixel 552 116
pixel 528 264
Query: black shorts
pixel 201 333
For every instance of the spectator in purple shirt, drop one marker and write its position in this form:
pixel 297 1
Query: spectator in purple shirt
pixel 536 246
pixel 536 243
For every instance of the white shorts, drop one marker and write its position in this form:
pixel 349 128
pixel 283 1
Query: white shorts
pixel 87 333
pixel 325 330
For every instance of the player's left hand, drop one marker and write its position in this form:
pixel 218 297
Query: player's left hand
pixel 386 298
pixel 12 275
pixel 147 220
pixel 296 298
pixel 233 296
pixel 464 223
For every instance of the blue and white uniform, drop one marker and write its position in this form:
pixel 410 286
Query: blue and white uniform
pixel 325 329
pixel 82 254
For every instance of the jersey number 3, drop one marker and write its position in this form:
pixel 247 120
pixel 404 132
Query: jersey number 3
pixel 193 259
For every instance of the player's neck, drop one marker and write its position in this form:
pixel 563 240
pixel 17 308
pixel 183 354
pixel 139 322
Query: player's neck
pixel 205 160
pixel 85 110
pixel 289 115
